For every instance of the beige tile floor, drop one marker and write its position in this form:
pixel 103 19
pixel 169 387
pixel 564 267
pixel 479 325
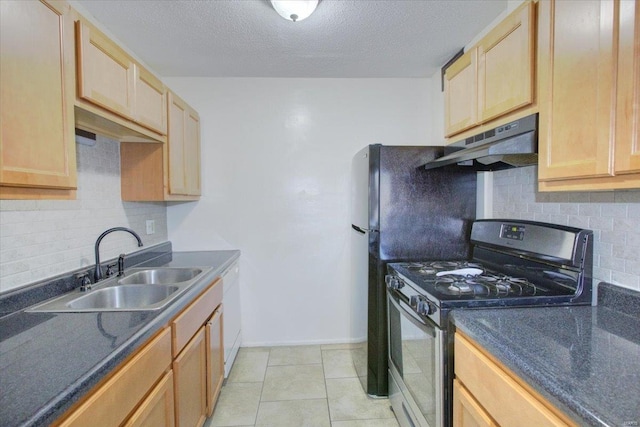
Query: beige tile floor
pixel 302 386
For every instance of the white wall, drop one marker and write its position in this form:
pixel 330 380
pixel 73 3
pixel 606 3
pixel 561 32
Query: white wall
pixel 276 171
pixel 43 238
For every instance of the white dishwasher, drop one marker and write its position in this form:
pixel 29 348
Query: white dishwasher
pixel 231 321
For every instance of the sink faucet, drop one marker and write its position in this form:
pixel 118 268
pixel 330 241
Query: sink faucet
pixel 98 272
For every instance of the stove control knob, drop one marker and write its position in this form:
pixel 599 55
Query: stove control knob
pixel 414 300
pixel 426 307
pixel 393 282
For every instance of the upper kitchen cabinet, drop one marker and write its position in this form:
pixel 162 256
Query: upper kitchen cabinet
pixel 495 77
pixel 505 65
pixel 113 86
pixel 171 172
pixel 627 153
pixel 105 71
pixel 184 148
pixel 37 148
pixel 151 100
pixel 589 73
pixel 461 94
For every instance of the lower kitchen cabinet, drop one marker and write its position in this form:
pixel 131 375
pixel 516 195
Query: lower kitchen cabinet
pixel 112 402
pixel 215 359
pixel 190 370
pixel 198 365
pixel 174 380
pixel 158 409
pixel 467 412
pixel 488 394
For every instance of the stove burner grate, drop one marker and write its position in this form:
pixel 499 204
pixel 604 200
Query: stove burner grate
pixel 485 285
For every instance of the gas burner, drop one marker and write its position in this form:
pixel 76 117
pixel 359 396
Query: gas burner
pixel 488 284
pixel 421 268
pixel 458 285
pixel 442 265
pixel 415 265
pixel 505 285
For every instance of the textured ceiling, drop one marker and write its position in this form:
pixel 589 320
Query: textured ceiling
pixel 247 38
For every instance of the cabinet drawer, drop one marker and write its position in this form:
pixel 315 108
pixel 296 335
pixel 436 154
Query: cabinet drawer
pixel 116 398
pixel 508 402
pixel 187 323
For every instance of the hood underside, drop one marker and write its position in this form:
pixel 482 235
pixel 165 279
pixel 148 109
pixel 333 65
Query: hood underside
pixel 512 145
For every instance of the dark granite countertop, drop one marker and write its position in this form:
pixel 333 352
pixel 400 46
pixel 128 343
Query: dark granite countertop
pixel 50 360
pixel 585 360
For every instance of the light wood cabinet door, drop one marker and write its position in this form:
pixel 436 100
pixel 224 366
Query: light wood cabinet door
pixel 461 94
pixel 192 154
pixel 176 145
pixel 188 322
pixel 588 74
pixel 157 410
pixel 183 148
pixel 505 65
pixel 466 411
pixel 170 172
pixel 190 382
pixel 112 402
pixel 215 359
pixel 37 143
pixel 577 91
pixel 150 101
pixel 105 71
pixel 627 152
pixel 503 396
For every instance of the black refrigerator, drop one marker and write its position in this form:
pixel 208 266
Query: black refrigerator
pixel 399 212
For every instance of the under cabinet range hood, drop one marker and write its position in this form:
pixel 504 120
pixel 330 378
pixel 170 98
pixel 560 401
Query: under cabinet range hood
pixel 514 144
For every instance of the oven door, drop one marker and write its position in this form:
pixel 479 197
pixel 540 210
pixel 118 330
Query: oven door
pixel 415 365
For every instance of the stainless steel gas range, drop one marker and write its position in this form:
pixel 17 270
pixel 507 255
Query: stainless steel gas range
pixel 514 263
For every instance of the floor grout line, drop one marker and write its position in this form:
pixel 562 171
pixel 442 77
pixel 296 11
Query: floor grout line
pixel 337 370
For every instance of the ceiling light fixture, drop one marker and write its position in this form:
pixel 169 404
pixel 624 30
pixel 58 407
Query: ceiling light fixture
pixel 294 10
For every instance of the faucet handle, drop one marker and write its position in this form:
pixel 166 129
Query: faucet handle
pixel 110 271
pixel 85 281
pixel 121 265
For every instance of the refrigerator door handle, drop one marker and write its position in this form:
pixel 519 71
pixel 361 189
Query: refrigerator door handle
pixel 363 230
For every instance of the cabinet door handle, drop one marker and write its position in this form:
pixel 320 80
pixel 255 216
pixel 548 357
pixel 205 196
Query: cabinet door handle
pixel 215 316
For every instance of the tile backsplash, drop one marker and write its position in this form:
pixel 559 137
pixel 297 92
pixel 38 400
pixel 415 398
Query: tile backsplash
pixel 44 238
pixel 613 216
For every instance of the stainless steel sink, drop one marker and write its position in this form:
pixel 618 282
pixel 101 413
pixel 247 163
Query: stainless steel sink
pixel 140 289
pixel 160 276
pixel 125 297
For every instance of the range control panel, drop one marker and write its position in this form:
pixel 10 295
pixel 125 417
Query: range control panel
pixel 512 232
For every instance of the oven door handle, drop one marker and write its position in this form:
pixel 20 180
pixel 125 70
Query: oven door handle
pixel 399 295
pixel 412 316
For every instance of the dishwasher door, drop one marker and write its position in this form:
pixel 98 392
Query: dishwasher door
pixel 231 324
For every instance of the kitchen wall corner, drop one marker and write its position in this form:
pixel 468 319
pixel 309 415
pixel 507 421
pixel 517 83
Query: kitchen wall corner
pixel 44 238
pixel 614 217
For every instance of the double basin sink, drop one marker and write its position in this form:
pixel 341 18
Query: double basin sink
pixel 139 289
